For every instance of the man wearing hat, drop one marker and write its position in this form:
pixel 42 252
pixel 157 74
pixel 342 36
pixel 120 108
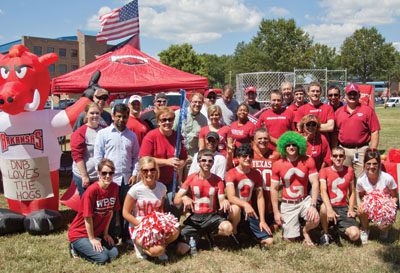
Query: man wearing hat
pixel 210 97
pixel 250 96
pixel 358 127
pixel 219 167
pixel 150 117
pixel 100 98
pixel 134 124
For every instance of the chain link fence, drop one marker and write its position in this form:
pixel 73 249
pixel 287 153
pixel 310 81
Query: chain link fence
pixel 265 82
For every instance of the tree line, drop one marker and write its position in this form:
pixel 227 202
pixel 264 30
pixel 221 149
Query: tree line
pixel 280 45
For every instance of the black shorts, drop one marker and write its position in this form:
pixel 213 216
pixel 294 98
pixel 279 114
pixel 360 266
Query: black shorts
pixel 198 224
pixel 343 221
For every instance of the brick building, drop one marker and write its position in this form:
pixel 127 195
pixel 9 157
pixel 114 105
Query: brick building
pixel 73 51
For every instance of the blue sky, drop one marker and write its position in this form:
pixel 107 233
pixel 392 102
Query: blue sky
pixel 213 26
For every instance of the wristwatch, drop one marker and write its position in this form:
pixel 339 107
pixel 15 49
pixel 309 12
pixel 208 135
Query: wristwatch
pixel 313 205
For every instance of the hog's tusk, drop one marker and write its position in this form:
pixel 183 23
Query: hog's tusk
pixel 30 107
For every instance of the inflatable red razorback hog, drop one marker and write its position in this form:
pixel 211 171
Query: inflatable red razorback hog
pixel 30 152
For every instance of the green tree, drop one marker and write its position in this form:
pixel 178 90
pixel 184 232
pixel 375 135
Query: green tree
pixel 323 56
pixel 217 68
pixel 184 58
pixel 366 55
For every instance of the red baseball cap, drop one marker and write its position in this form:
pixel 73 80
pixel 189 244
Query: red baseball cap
pixel 251 89
pixel 209 91
pixel 352 87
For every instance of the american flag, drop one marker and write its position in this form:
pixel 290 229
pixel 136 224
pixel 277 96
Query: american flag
pixel 120 23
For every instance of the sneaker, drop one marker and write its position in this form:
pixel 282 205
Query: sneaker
pixel 139 253
pixel 324 240
pixel 163 258
pixel 364 236
pixel 72 252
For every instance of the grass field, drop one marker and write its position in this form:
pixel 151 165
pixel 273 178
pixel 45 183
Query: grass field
pixel 26 253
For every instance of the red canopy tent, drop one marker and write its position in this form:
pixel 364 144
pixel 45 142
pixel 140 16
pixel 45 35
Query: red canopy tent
pixel 128 70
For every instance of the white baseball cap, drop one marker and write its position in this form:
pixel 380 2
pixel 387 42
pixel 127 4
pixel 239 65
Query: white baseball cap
pixel 135 97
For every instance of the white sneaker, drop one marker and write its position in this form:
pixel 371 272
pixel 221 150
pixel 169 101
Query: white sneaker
pixel 139 253
pixel 163 258
pixel 364 236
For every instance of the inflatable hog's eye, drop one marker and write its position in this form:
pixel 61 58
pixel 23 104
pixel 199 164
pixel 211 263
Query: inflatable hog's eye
pixel 4 72
pixel 21 71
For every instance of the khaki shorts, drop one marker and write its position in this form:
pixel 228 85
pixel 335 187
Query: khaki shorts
pixel 291 214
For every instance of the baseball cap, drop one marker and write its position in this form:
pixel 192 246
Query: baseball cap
pixel 212 135
pixel 135 97
pixel 101 92
pixel 352 87
pixel 161 95
pixel 251 89
pixel 208 91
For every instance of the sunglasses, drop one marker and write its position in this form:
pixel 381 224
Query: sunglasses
pixel 291 145
pixel 161 101
pixel 211 97
pixel 206 160
pixel 336 156
pixel 311 124
pixel 333 95
pixel 245 156
pixel 105 173
pixel 103 97
pixel 152 170
pixel 164 120
pixel 372 164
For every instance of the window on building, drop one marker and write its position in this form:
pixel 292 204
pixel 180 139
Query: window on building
pixel 37 50
pixel 62 68
pixel 52 68
pixel 62 52
pixel 74 53
pixel 50 49
pixel 74 66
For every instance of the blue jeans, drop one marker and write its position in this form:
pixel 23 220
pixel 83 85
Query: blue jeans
pixel 84 249
pixel 78 183
pixel 121 231
pixel 169 204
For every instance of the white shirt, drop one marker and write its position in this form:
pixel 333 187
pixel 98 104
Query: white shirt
pixel 385 182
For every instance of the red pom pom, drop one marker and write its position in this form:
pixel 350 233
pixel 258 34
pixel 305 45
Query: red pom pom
pixel 155 228
pixel 379 207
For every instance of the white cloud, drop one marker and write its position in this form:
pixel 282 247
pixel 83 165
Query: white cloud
pixel 396 45
pixel 277 11
pixel 93 22
pixel 1 11
pixel 363 12
pixel 331 34
pixel 192 21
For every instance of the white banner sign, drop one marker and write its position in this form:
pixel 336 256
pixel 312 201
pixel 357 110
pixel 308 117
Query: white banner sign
pixel 26 179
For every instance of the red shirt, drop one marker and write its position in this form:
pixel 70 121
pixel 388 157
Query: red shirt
pixel 277 123
pixel 294 176
pixel 223 133
pixel 323 111
pixel 318 148
pixel 242 133
pixel 157 145
pixel 355 129
pixel 97 203
pixel 263 164
pixel 140 128
pixel 244 183
pixel 293 107
pixel 337 183
pixel 204 192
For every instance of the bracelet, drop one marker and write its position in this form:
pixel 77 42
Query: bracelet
pixel 313 205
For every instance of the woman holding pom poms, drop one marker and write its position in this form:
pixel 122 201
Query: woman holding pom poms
pixel 377 192
pixel 151 230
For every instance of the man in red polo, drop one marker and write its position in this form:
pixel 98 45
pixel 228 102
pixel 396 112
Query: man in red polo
pixel 358 127
pixel 323 111
pixel 277 120
pixel 140 128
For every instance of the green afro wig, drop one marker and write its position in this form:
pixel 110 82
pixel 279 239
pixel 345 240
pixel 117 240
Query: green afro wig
pixel 291 137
